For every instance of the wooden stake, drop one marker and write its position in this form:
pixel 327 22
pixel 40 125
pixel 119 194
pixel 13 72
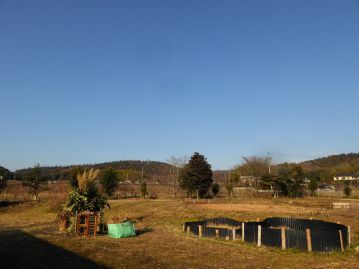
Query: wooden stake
pixel 283 238
pixel 188 229
pixel 349 240
pixel 309 239
pixel 95 228
pixel 87 218
pixel 184 227
pixel 217 233
pixel 200 231
pixel 234 234
pixel 259 243
pixel 242 231
pixel 341 240
pixel 77 225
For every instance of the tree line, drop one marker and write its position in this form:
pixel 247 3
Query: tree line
pixel 195 175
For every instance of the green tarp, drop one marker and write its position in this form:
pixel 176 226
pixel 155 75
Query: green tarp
pixel 121 230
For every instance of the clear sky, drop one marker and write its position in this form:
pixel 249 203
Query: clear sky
pixel 93 81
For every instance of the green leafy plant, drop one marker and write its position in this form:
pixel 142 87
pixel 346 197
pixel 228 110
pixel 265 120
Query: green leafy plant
pixel 86 197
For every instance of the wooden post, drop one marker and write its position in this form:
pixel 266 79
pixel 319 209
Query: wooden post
pixel 77 224
pixel 341 240
pixel 234 234
pixel 95 227
pixel 259 243
pixel 349 240
pixel 242 231
pixel 87 217
pixel 200 231
pixel 184 227
pixel 283 238
pixel 188 229
pixel 217 233
pixel 309 239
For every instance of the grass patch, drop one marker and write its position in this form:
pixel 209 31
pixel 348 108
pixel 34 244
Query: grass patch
pixel 164 245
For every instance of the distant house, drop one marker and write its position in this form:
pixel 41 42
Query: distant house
pixel 346 176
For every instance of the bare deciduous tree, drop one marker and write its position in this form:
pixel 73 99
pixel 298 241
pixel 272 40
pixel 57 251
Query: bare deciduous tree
pixel 255 167
pixel 177 164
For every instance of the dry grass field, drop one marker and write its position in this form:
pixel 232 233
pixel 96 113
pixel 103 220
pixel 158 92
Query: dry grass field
pixel 29 237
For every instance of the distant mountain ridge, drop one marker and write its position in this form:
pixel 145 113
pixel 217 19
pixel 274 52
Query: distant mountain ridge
pixel 161 171
pixel 341 163
pixel 133 167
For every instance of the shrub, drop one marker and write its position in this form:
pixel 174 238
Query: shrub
pixel 215 189
pixel 347 190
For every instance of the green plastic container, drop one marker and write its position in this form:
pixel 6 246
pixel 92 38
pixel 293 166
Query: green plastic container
pixel 121 230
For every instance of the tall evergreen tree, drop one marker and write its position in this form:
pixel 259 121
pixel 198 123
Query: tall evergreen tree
pixel 196 176
pixel 144 191
pixel 109 179
pixel 314 178
pixel 296 186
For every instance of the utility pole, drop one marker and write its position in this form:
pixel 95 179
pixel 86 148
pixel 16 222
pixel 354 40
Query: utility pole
pixel 269 162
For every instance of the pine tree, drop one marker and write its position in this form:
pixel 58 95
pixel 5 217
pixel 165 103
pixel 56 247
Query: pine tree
pixel 109 179
pixel 196 176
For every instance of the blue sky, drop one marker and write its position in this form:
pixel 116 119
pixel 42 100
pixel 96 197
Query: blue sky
pixel 94 81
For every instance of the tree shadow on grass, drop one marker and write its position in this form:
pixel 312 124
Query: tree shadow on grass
pixel 5 203
pixel 19 249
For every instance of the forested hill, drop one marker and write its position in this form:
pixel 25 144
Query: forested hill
pixel 131 170
pixel 5 173
pixel 334 163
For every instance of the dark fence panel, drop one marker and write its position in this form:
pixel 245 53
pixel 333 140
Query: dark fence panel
pixel 295 239
pixel 251 232
pixel 271 237
pixel 324 235
pixel 329 242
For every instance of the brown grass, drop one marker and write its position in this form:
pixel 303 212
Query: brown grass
pixel 164 245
